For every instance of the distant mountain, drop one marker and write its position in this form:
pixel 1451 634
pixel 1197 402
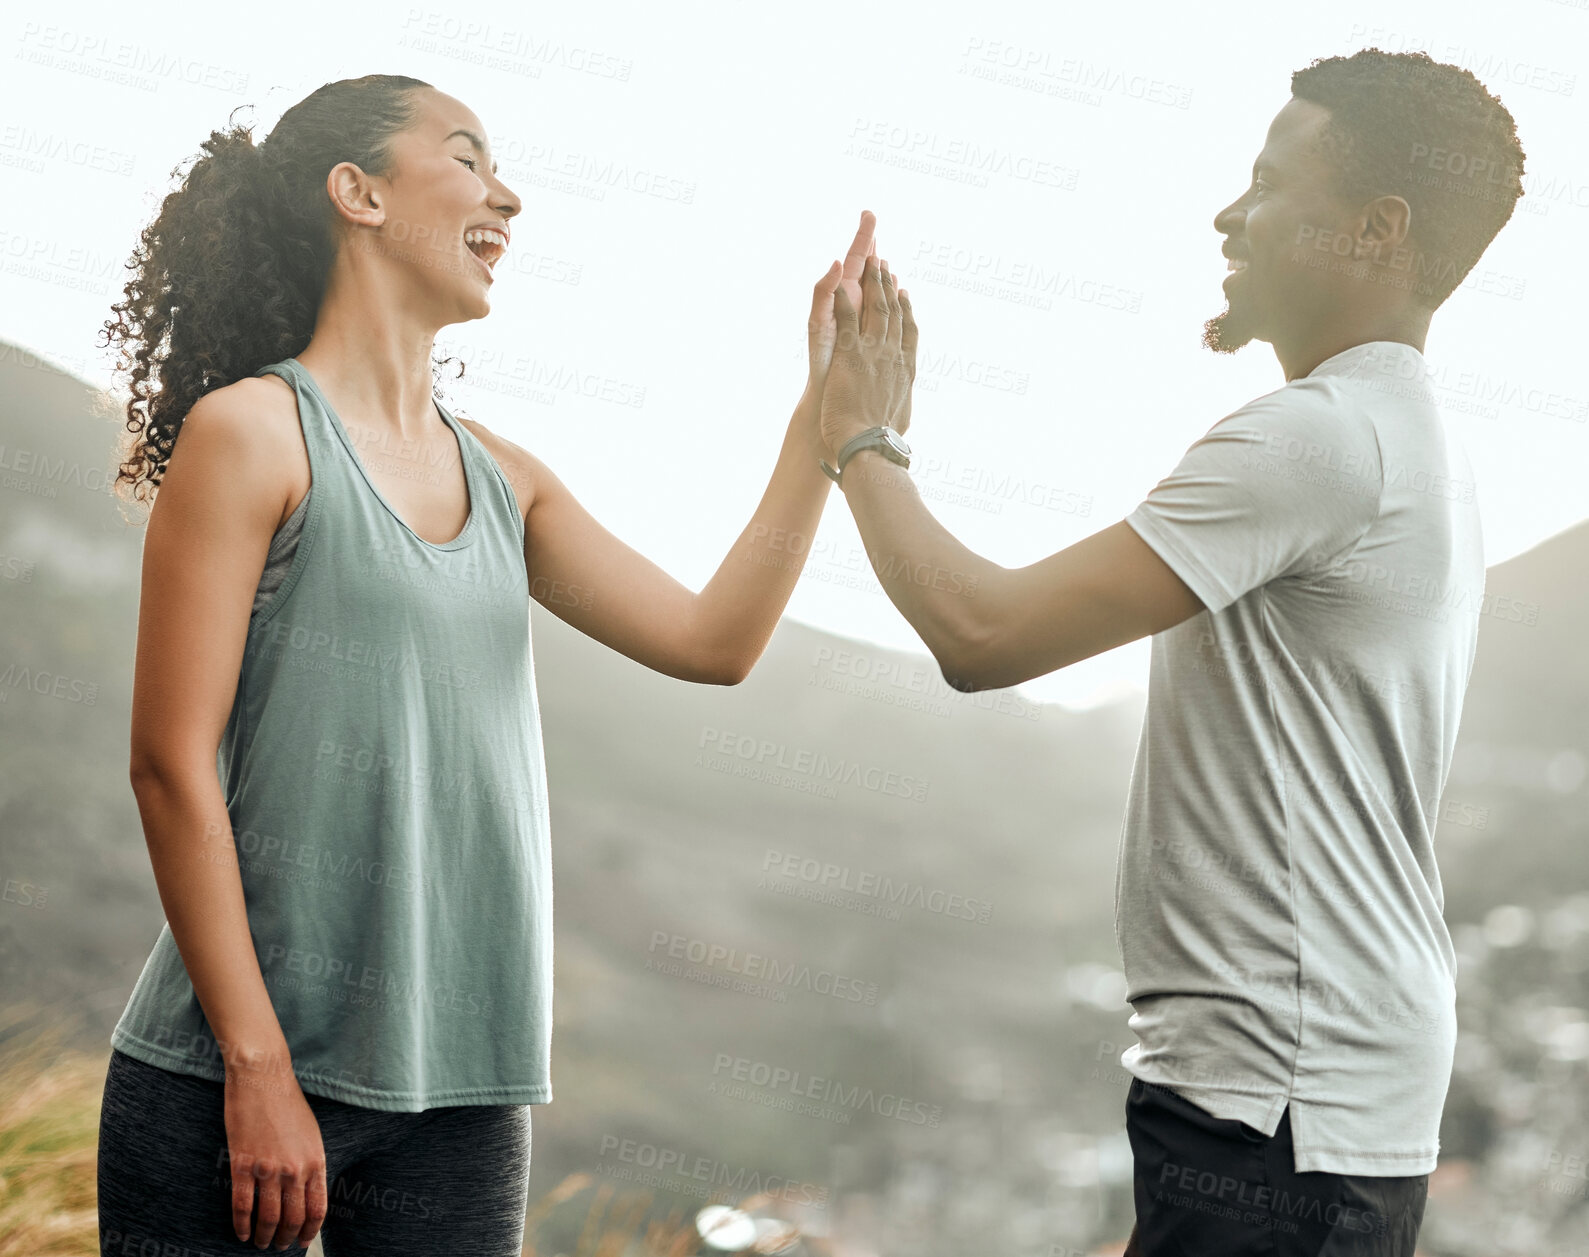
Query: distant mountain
pixel 1514 819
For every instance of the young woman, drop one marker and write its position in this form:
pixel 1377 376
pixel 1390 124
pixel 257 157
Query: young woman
pixel 335 740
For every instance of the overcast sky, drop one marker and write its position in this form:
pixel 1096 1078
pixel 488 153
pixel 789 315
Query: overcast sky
pixel 688 171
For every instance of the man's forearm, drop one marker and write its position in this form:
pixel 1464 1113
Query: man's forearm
pixel 944 590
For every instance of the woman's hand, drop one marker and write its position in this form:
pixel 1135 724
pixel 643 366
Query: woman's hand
pixel 822 328
pixel 874 360
pixel 277 1157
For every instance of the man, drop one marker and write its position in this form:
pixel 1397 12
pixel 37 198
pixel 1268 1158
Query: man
pixel 1310 573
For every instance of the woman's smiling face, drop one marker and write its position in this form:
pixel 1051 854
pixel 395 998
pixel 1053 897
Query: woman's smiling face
pixel 444 212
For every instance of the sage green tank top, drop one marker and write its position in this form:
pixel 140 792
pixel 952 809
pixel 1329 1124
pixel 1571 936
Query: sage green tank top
pixel 384 776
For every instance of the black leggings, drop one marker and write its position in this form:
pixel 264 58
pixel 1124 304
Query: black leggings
pixel 446 1180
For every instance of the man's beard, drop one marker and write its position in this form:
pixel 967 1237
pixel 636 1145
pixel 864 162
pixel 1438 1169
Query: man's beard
pixel 1226 332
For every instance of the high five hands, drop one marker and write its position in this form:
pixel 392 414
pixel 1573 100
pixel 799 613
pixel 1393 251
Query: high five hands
pixel 861 346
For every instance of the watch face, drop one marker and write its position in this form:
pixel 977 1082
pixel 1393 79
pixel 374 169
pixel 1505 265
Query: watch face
pixel 896 442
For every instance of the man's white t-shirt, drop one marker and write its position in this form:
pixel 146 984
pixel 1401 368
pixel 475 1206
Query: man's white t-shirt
pixel 1277 905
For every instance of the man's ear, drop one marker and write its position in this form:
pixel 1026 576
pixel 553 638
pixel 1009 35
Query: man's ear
pixel 1387 221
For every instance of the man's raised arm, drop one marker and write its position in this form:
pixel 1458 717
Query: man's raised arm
pixel 987 626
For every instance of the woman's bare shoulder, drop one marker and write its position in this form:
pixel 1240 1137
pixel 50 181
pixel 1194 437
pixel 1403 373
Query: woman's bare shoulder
pixel 251 427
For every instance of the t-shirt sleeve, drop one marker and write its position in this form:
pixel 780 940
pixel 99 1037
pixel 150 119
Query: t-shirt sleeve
pixel 1277 488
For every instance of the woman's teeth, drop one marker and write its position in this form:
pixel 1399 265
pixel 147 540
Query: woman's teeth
pixel 486 244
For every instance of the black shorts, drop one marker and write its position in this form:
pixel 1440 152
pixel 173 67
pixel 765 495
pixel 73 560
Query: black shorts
pixel 1208 1185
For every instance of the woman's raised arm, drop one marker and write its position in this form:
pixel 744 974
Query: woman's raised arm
pixel 609 591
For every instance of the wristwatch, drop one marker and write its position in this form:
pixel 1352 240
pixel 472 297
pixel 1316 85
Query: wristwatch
pixel 883 439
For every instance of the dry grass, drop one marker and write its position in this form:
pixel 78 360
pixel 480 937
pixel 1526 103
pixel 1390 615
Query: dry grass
pixel 49 1137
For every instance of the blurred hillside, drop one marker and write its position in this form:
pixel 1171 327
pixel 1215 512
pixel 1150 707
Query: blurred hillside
pixel 993 1009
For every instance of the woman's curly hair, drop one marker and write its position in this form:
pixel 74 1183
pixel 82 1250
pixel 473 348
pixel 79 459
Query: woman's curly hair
pixel 229 275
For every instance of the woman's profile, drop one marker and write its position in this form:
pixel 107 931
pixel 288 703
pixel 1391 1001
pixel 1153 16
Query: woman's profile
pixel 336 745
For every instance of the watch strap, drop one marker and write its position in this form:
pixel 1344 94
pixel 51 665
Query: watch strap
pixel 871 438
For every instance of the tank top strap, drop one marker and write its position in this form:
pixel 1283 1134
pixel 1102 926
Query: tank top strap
pixel 319 436
pixel 498 500
pixel 289 370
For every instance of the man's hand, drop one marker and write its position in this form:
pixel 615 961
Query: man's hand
pixel 874 360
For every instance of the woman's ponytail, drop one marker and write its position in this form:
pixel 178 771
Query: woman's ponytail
pixel 229 275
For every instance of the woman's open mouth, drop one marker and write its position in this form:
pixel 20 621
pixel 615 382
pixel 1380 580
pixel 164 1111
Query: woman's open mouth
pixel 487 245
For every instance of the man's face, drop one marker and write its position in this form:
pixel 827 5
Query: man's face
pixel 1270 231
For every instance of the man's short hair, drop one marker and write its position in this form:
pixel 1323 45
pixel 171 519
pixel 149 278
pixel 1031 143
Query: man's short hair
pixel 1429 132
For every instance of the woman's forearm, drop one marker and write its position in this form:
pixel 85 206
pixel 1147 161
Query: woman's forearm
pixel 739 607
pixel 189 836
